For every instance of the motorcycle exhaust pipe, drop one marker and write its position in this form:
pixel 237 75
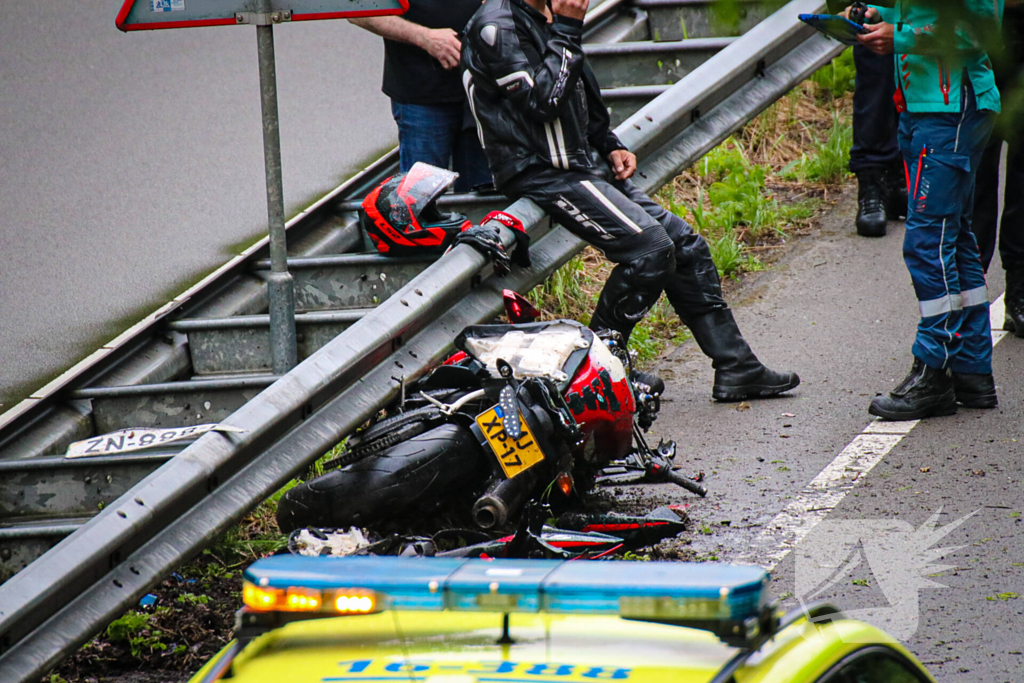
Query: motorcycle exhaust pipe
pixel 502 499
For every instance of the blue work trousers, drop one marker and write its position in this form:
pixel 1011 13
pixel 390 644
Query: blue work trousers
pixel 942 152
pixel 441 135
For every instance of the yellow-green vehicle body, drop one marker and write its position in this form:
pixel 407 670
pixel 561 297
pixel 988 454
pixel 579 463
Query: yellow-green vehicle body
pixel 506 646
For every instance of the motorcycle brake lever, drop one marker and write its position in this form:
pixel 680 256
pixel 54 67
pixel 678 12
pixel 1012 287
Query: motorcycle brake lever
pixel 628 470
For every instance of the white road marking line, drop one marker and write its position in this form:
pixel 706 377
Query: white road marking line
pixel 997 314
pixel 839 477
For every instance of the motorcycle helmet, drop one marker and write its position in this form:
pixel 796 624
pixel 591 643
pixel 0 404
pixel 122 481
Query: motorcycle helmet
pixel 401 215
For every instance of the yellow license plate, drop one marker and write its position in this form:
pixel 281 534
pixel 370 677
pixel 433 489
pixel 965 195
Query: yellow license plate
pixel 514 456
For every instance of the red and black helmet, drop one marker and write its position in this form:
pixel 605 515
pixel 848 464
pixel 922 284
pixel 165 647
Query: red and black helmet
pixel 401 215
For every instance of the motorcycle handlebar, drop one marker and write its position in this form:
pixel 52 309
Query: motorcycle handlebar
pixel 687 483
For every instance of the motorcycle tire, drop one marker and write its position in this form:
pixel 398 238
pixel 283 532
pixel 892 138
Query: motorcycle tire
pixel 387 433
pixel 417 472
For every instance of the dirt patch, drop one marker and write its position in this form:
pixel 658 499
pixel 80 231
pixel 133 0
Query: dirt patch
pixel 183 622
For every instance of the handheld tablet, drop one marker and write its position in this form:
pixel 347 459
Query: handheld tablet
pixel 835 26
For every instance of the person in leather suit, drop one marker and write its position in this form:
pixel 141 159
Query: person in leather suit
pixel 546 133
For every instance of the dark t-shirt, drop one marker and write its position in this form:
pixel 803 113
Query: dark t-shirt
pixel 411 75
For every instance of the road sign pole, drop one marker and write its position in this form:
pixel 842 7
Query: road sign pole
pixel 136 15
pixel 280 285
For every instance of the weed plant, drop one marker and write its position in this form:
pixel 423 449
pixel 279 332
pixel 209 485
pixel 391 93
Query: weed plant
pixel 828 161
pixel 139 631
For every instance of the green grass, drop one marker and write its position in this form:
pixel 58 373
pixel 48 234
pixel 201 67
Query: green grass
pixel 828 162
pixel 735 199
pixel 837 77
pixel 564 294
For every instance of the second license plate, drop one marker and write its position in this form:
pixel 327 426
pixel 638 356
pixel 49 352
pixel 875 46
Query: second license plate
pixel 514 456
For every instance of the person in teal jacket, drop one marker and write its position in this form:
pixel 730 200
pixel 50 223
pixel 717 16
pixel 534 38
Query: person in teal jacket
pixel 948 98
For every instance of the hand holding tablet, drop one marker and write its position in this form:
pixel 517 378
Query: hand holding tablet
pixel 835 26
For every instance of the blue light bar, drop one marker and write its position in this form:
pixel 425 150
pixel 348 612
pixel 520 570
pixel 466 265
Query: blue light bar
pixel 668 591
pixel 676 592
pixel 499 586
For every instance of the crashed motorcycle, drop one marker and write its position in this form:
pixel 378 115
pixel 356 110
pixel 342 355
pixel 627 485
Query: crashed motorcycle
pixel 540 535
pixel 527 410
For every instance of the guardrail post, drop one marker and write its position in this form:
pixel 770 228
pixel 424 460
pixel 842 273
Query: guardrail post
pixel 280 285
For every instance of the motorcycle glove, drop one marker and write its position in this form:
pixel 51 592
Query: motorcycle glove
pixel 485 239
pixel 521 253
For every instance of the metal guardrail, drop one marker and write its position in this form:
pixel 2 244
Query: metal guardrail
pixel 52 607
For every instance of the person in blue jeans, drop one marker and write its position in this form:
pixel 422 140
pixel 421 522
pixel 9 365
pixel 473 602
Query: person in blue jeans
pixel 950 98
pixel 421 56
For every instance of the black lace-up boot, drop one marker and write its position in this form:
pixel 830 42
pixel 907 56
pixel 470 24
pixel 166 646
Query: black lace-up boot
pixel 895 192
pixel 739 375
pixel 924 392
pixel 871 203
pixel 975 391
pixel 1014 300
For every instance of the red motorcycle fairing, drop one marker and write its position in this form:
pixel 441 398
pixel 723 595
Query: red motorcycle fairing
pixel 602 402
pixel 596 389
pixel 456 358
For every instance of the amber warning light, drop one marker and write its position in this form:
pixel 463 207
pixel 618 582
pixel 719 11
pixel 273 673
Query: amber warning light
pixel 300 599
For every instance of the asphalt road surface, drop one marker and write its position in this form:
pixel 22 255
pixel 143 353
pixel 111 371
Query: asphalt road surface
pixel 840 506
pixel 132 164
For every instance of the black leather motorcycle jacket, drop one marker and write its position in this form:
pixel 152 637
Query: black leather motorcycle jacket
pixel 535 99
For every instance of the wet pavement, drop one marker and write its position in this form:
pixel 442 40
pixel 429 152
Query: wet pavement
pixel 839 309
pixel 132 164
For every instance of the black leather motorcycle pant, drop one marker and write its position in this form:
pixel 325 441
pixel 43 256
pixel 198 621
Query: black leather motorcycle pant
pixel 654 249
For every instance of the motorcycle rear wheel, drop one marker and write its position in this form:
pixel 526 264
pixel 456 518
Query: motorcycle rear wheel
pixel 419 471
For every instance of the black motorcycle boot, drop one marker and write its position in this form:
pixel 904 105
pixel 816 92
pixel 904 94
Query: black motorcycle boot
pixel 924 392
pixel 975 391
pixel 1014 302
pixel 739 375
pixel 895 192
pixel 871 203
